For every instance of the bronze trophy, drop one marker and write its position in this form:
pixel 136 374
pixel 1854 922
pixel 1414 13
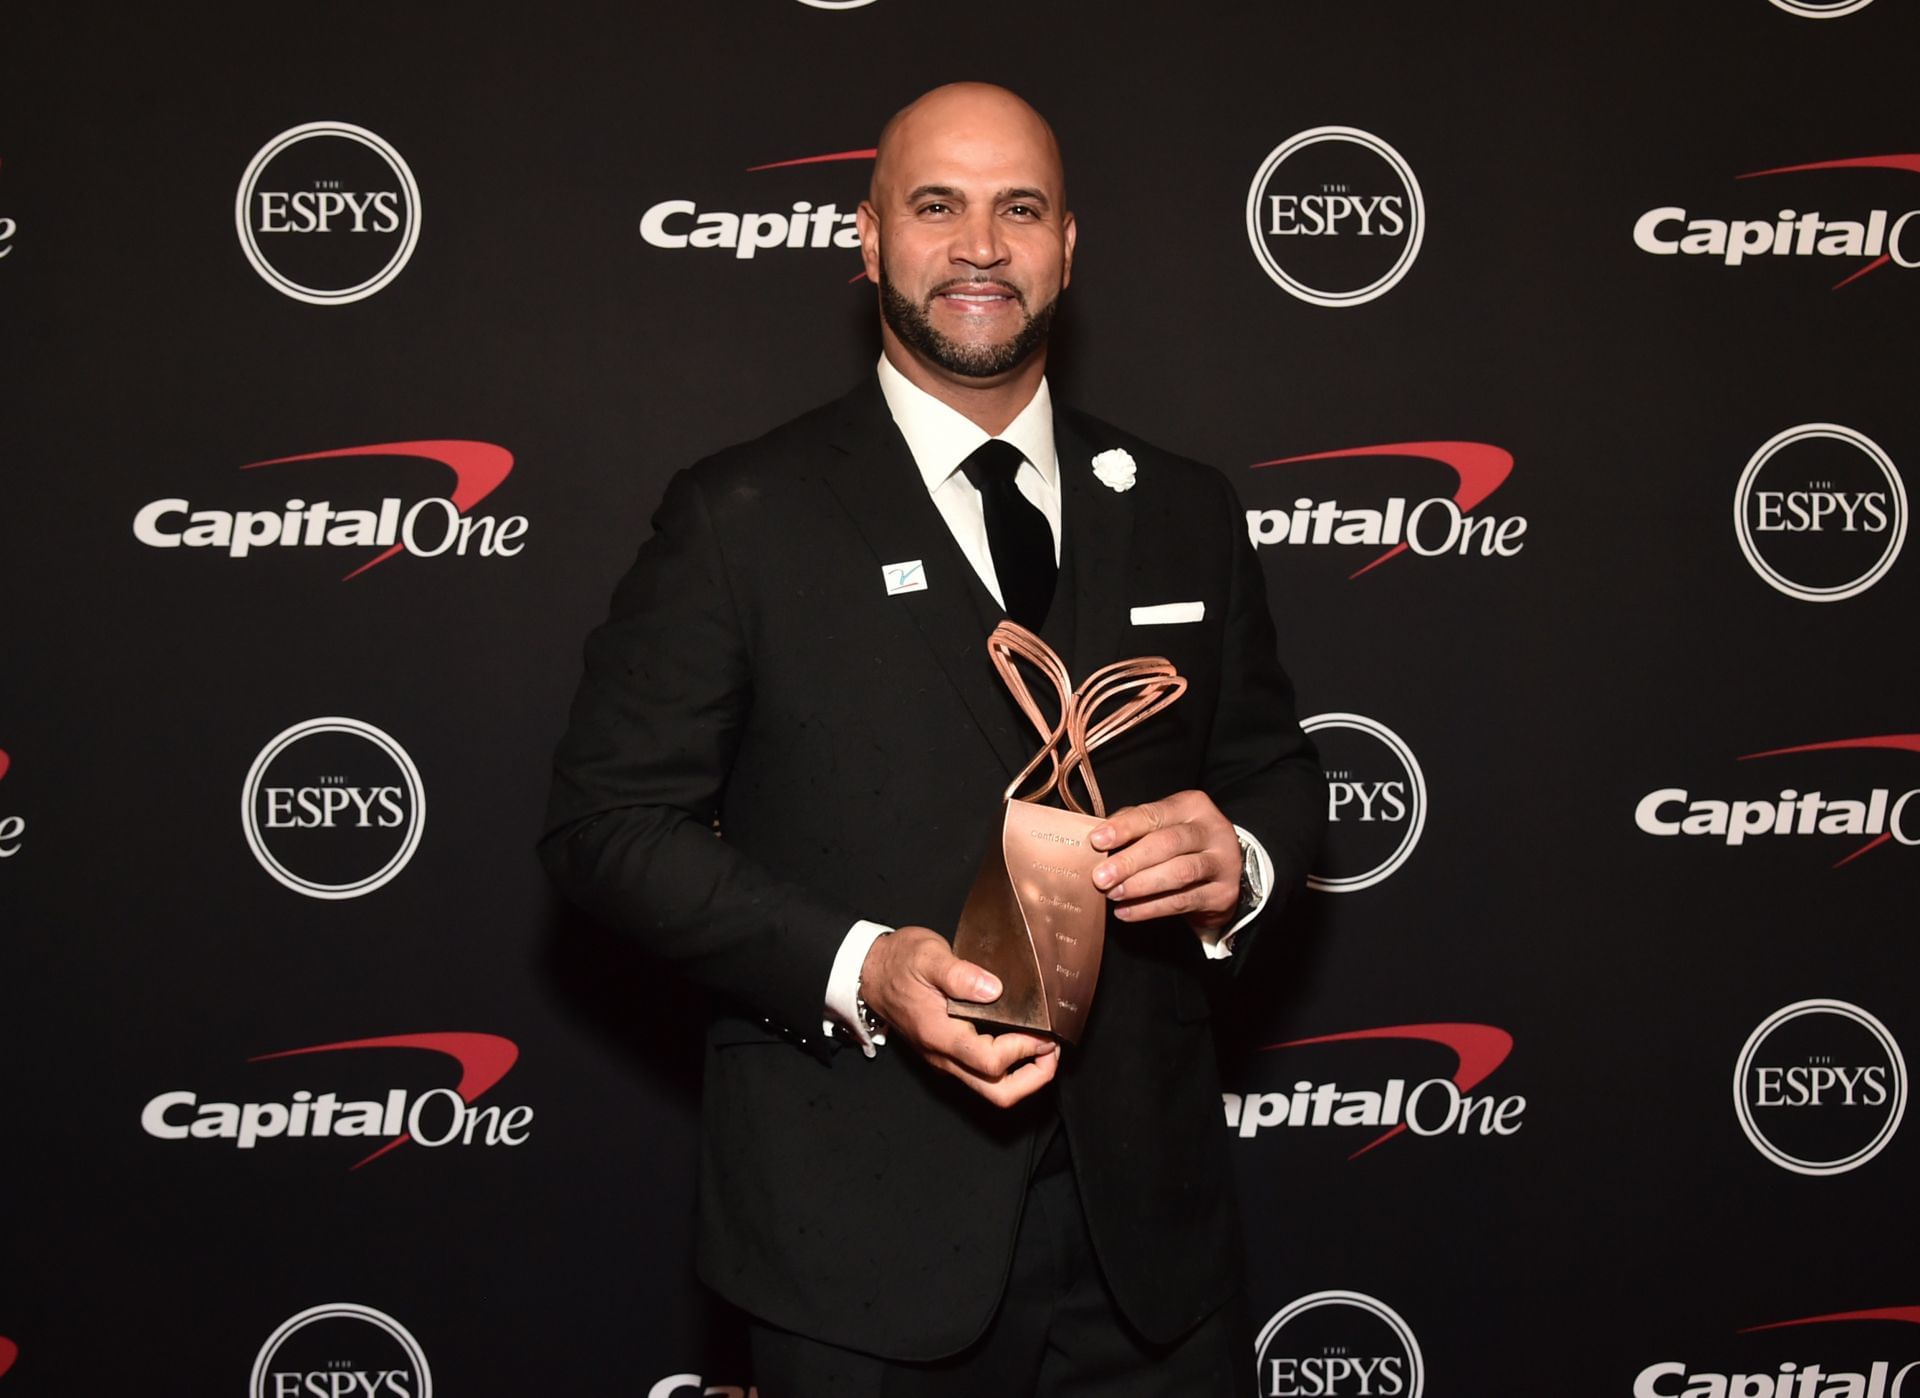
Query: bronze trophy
pixel 1034 917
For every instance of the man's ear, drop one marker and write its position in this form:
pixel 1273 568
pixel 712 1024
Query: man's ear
pixel 1069 230
pixel 868 222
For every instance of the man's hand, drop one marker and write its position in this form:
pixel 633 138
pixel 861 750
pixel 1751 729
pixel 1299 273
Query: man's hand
pixel 1174 857
pixel 906 979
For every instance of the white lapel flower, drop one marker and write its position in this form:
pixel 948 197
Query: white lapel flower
pixel 1115 469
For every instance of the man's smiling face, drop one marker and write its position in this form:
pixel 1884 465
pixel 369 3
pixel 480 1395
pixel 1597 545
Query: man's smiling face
pixel 966 231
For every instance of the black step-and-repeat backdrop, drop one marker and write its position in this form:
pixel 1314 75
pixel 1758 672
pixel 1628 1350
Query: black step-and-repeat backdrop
pixel 1562 357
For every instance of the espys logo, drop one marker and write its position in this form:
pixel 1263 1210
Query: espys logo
pixel 13 828
pixel 1339 1344
pixel 1820 512
pixel 1795 1377
pixel 333 808
pixel 1427 526
pixel 439 1116
pixel 1816 9
pixel 328 213
pixel 430 527
pixel 1433 1107
pixel 1880 812
pixel 1884 235
pixel 1335 216
pixel 341 1350
pixel 678 224
pixel 1376 802
pixel 1820 1087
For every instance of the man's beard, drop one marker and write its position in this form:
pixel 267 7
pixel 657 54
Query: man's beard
pixel 910 323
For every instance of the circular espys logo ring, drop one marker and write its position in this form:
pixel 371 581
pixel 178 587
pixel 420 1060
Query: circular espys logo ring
pixel 390 217
pixel 322 831
pixel 1354 800
pixel 1807 9
pixel 1831 1074
pixel 335 1318
pixel 1339 1336
pixel 836 4
pixel 1800 517
pixel 1350 235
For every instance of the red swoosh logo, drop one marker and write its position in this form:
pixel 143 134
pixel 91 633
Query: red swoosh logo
pixel 1480 1048
pixel 478 467
pixel 816 159
pixel 1481 470
pixel 5 762
pixel 9 1352
pixel 1909 163
pixel 484 1059
pixel 1897 742
pixel 1910 1315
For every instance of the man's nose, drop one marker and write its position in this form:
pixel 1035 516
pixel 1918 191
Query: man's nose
pixel 977 240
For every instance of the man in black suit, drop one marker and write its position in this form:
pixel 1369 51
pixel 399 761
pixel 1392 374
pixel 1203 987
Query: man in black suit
pixel 902 1202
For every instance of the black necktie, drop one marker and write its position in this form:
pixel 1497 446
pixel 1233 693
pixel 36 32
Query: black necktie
pixel 1018 535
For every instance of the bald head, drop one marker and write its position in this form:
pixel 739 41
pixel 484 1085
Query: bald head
pixel 967 237
pixel 981 116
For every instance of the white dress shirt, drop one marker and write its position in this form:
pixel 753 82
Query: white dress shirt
pixel 940 439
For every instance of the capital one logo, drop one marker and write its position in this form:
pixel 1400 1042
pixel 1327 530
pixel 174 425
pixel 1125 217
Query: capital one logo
pixel 437 1117
pixel 1335 216
pixel 9 1352
pixel 341 1350
pixel 433 526
pixel 692 1385
pixel 13 828
pixel 328 213
pixel 675 225
pixel 1800 1376
pixel 1820 512
pixel 1880 812
pixel 1820 1087
pixel 1428 526
pixel 333 808
pixel 1376 802
pixel 1338 1344
pixel 1439 1106
pixel 1881 230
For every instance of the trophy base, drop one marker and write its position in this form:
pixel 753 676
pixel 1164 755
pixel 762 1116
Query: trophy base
pixel 1035 919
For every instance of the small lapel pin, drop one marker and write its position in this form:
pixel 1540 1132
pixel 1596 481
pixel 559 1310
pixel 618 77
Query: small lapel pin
pixel 910 576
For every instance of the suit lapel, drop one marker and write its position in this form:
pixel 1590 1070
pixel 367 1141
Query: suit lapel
pixel 877 484
pixel 1097 550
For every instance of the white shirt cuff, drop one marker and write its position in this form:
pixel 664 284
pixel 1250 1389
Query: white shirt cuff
pixel 843 986
pixel 1219 946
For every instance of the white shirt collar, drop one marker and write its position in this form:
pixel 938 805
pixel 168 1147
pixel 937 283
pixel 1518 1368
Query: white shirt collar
pixel 941 438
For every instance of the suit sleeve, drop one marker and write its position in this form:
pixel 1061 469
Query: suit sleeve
pixel 631 822
pixel 1262 770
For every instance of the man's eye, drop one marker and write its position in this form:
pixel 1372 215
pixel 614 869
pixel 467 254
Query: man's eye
pixel 1023 211
pixel 934 208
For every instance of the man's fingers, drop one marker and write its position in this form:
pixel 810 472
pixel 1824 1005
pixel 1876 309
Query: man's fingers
pixel 1187 902
pixel 1021 1083
pixel 965 981
pixel 1146 853
pixel 1128 824
pixel 991 1056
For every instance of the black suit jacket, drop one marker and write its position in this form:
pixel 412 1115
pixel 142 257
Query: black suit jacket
pixel 853 748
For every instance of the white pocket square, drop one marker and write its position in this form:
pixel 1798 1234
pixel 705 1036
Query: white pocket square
pixel 1168 613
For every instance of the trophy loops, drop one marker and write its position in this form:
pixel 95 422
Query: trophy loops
pixel 1152 682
